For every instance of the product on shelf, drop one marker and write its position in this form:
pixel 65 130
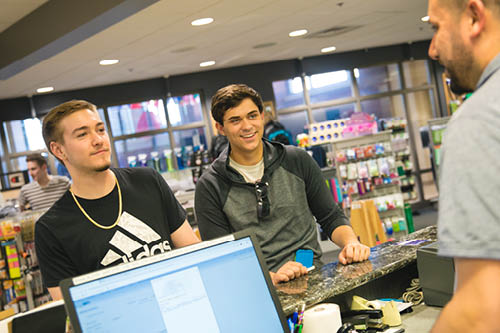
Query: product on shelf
pixel 367 168
pixel 326 131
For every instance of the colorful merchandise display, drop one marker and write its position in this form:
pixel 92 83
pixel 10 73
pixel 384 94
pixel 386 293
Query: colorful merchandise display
pixel 326 131
pixel 401 148
pixel 22 285
pixel 367 170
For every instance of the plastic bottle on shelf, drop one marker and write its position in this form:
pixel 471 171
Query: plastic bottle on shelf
pixel 187 153
pixel 142 160
pixel 155 159
pixel 132 161
pixel 167 154
pixel 178 157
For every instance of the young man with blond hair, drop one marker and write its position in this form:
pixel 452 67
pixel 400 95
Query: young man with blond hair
pixel 109 216
pixel 467 43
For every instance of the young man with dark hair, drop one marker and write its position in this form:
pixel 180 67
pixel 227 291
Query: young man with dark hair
pixel 108 216
pixel 45 189
pixel 467 43
pixel 278 191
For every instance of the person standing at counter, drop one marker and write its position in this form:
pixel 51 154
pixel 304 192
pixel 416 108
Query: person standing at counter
pixel 45 189
pixel 109 216
pixel 467 43
pixel 276 190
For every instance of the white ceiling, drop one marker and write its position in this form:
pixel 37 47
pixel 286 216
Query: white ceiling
pixel 160 41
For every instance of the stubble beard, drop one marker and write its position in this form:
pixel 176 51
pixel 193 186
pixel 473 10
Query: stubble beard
pixel 460 70
pixel 102 167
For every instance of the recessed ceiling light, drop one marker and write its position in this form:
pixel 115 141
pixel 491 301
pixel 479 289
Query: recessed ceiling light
pixel 202 21
pixel 297 33
pixel 44 89
pixel 425 19
pixel 328 49
pixel 107 62
pixel 207 63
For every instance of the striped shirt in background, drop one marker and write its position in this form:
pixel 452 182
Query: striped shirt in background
pixel 43 197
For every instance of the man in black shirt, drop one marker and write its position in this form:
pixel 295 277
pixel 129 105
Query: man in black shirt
pixel 108 216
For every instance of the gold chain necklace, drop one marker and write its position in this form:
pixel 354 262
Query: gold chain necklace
pixel 119 208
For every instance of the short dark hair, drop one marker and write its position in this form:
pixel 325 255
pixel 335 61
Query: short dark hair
pixel 231 96
pixel 50 126
pixel 38 158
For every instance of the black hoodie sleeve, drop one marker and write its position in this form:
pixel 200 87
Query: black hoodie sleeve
pixel 327 213
pixel 212 222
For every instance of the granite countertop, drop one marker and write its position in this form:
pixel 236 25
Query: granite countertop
pixel 334 279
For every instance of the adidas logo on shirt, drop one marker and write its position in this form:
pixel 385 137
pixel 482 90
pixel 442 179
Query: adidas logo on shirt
pixel 127 246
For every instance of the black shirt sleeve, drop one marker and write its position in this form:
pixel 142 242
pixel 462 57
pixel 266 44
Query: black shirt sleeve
pixel 52 258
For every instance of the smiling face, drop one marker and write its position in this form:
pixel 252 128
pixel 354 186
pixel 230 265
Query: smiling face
pixel 85 143
pixel 243 125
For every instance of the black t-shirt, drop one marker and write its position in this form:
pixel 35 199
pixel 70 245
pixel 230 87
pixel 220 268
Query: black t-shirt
pixel 68 244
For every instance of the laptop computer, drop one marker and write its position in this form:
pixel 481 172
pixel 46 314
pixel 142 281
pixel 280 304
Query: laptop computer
pixel 221 285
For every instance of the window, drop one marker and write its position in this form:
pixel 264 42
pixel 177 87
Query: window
pixel 24 135
pixel 380 92
pixel 377 79
pixel 142 145
pixel 288 93
pixel 137 117
pixel 329 86
pixel 191 137
pixel 416 73
pixel 420 106
pixel 185 113
pixel 333 112
pixel 385 107
pixel 294 122
pixel 185 109
pixel 2 158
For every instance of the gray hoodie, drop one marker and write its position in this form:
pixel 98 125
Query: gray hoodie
pixel 298 196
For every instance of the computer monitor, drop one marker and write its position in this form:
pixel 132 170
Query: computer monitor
pixel 221 285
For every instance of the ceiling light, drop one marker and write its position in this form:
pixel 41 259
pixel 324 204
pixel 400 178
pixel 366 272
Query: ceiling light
pixel 297 33
pixel 328 49
pixel 202 21
pixel 108 62
pixel 425 19
pixel 207 63
pixel 44 89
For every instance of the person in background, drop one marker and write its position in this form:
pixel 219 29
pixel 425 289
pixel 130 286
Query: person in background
pixel 276 131
pixel 108 216
pixel 278 191
pixel 466 42
pixel 45 189
pixel 219 143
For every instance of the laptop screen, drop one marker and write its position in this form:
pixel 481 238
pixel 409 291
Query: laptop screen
pixel 220 288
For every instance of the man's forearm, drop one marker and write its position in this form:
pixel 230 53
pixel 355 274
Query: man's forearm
pixel 461 316
pixel 343 235
pixel 476 302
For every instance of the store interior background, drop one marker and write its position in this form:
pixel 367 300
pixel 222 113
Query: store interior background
pixel 158 97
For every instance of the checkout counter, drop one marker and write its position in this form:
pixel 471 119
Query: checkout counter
pixel 387 274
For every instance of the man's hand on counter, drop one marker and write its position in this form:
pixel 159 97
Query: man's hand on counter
pixel 289 271
pixel 354 252
pixel 352 249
